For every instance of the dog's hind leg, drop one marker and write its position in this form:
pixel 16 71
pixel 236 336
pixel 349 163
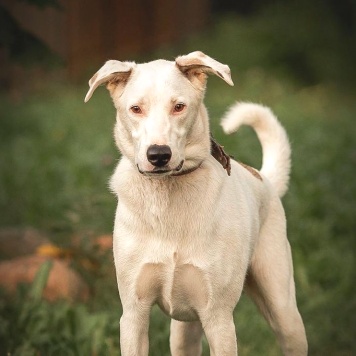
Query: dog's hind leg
pixel 270 283
pixel 185 338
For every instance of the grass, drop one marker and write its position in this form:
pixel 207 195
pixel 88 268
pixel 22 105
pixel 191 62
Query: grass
pixel 57 156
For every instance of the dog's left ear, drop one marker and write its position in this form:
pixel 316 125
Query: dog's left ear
pixel 114 73
pixel 197 65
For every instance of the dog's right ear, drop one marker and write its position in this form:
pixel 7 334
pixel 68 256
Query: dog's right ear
pixel 114 73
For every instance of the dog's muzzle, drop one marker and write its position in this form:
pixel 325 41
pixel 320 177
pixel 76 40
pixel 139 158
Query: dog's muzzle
pixel 159 156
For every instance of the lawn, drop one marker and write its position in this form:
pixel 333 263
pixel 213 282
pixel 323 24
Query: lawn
pixel 57 155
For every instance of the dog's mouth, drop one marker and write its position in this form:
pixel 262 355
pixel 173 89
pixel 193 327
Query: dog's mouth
pixel 162 171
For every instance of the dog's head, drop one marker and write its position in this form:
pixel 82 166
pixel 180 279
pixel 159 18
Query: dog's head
pixel 161 122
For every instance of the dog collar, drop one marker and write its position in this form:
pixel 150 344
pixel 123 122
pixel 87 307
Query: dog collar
pixel 187 171
pixel 217 151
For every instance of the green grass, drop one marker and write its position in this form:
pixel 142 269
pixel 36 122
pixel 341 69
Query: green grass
pixel 57 154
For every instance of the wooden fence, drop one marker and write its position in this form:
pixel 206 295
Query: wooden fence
pixel 87 32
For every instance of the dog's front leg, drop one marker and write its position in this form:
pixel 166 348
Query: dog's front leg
pixel 220 332
pixel 134 325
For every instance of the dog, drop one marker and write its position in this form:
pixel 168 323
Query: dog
pixel 194 228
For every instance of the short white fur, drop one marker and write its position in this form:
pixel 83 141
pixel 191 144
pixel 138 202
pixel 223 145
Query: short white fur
pixel 191 242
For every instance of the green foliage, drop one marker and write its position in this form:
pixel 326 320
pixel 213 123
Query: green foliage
pixel 57 155
pixel 56 329
pixel 306 38
pixel 31 326
pixel 43 137
pixel 306 41
pixel 40 281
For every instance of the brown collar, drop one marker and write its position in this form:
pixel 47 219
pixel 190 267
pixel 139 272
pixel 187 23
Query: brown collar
pixel 187 171
pixel 217 151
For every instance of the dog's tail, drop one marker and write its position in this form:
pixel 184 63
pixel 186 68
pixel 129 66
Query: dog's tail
pixel 274 141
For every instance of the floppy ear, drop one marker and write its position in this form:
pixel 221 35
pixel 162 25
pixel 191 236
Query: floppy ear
pixel 112 72
pixel 196 65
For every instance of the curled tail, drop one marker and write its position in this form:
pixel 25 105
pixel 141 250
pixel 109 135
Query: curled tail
pixel 274 141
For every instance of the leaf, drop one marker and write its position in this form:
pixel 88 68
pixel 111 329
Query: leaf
pixel 40 281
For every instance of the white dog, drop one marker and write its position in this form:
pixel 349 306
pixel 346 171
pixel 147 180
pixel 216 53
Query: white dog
pixel 188 235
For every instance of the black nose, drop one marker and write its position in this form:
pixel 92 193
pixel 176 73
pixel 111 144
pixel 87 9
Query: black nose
pixel 159 155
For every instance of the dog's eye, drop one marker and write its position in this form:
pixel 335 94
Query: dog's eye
pixel 136 109
pixel 179 107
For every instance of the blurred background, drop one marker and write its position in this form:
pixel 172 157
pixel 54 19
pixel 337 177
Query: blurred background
pixel 58 293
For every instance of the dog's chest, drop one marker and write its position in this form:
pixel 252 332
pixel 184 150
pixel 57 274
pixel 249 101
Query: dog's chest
pixel 166 208
pixel 180 289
